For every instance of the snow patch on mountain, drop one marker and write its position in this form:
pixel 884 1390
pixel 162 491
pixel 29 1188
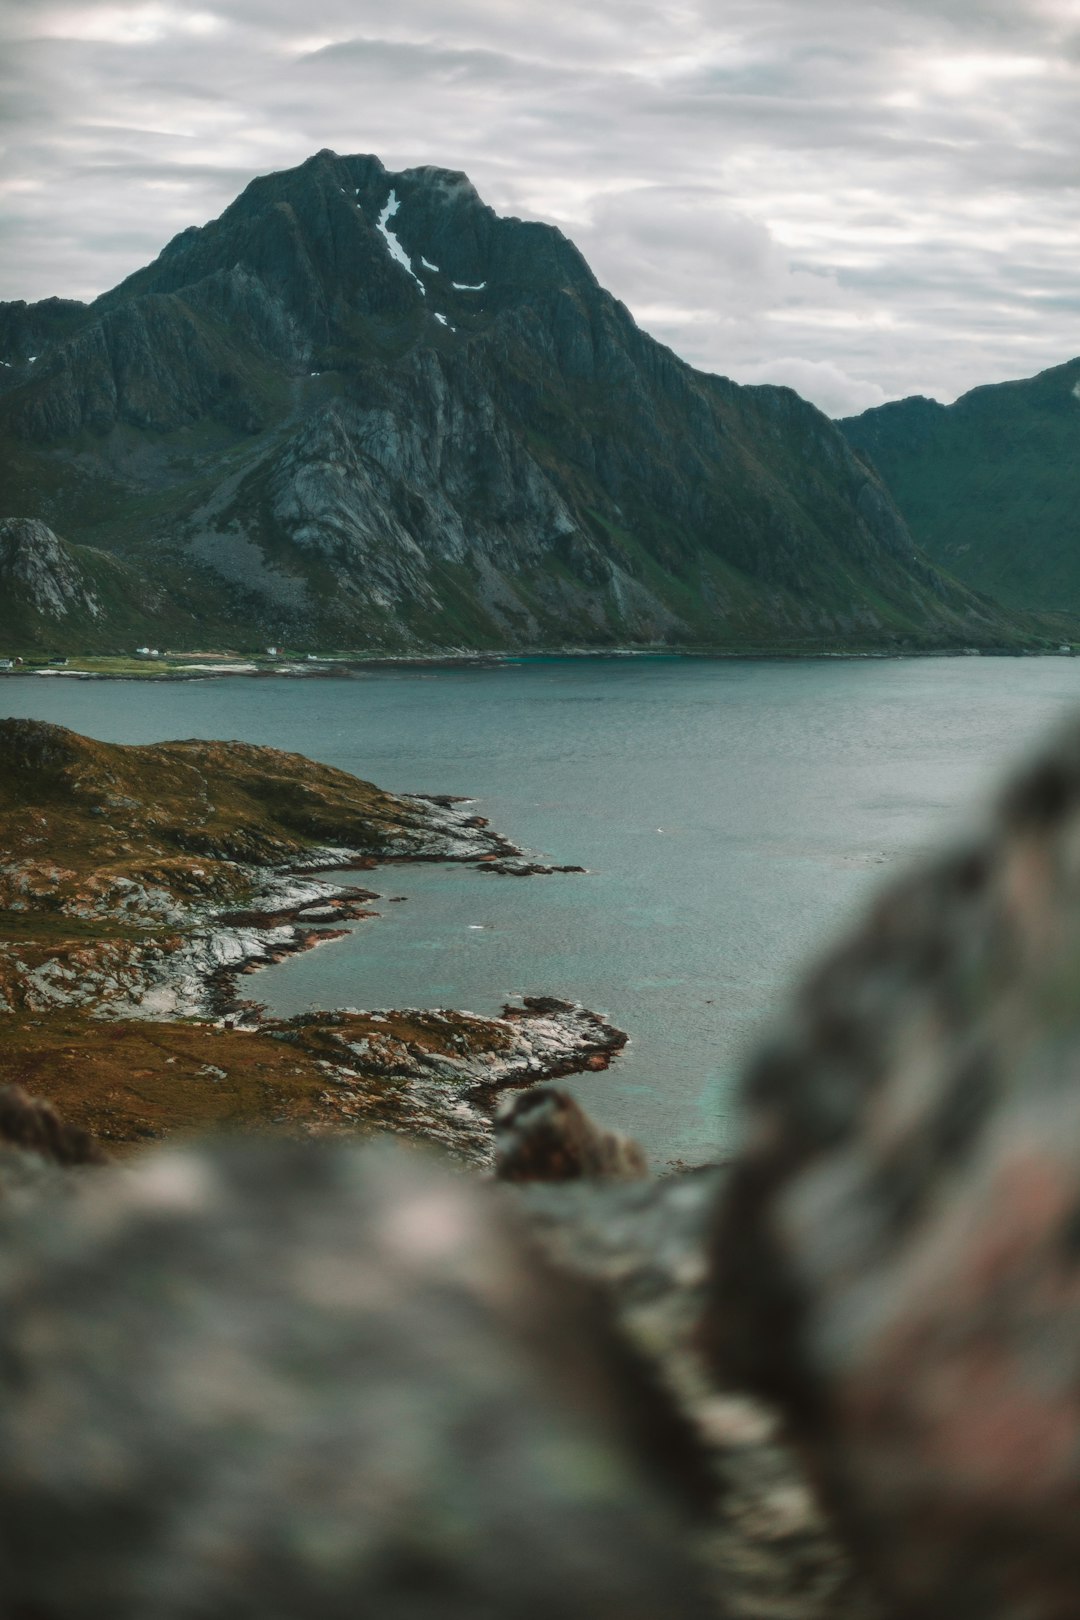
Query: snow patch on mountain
pixel 393 203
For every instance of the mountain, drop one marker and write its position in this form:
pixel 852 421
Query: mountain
pixel 53 593
pixel 361 410
pixel 990 486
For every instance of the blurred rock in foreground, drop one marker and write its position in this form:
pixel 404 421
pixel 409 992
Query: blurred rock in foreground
pixel 270 1379
pixel 544 1134
pixel 29 1123
pixel 898 1259
pixel 771 1549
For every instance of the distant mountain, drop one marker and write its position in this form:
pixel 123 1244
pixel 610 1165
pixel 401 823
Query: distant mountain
pixel 360 410
pixel 990 486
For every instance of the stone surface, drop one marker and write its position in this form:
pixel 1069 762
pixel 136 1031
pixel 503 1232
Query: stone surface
pixel 898 1259
pixel 37 565
pixel 771 1548
pixel 545 1135
pixel 269 1380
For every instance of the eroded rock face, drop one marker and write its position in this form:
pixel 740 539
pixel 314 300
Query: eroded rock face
pixel 256 1379
pixel 898 1258
pixel 37 566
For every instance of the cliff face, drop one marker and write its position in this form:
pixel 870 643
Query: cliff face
pixel 360 409
pixel 989 485
pixel 53 594
pixel 37 565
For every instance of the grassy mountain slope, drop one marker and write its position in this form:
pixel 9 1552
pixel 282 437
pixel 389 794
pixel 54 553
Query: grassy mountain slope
pixel 990 486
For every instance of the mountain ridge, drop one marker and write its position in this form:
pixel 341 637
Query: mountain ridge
pixel 990 484
pixel 361 409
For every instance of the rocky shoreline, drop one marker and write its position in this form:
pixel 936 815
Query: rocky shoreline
pixel 167 934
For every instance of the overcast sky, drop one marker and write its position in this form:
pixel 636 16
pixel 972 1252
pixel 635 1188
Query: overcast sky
pixel 862 200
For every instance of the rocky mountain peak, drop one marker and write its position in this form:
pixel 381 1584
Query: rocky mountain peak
pixel 362 408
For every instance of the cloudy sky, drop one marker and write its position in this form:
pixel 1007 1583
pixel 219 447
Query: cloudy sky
pixel 862 200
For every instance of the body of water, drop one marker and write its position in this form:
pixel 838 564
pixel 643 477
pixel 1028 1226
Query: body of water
pixel 732 816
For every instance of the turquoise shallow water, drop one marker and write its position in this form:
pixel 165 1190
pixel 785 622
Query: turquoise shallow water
pixel 732 815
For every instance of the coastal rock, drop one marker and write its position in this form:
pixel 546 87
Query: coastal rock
pixel 545 1135
pixel 522 867
pixel 437 1075
pixel 541 1039
pixel 258 1379
pixel 897 1261
pixel 199 857
pixel 141 883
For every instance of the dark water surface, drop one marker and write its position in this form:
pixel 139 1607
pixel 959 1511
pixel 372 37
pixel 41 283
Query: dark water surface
pixel 732 816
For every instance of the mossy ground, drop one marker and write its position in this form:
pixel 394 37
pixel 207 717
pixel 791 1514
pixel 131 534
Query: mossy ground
pixel 130 1081
pixel 176 816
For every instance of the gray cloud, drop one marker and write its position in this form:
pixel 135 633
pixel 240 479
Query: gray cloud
pixel 861 201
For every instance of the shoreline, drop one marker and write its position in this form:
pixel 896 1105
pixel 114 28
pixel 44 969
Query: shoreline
pixel 446 1097
pixel 338 666
pixel 128 998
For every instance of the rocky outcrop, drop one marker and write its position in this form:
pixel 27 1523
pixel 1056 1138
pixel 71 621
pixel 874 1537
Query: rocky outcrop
pixel 545 1135
pixel 644 1245
pixel 37 566
pixel 468 1334
pixel 29 1124
pixel 336 1383
pixel 363 410
pixel 897 1259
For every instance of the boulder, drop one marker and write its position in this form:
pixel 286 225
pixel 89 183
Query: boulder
pixel 897 1257
pixel 266 1379
pixel 544 1134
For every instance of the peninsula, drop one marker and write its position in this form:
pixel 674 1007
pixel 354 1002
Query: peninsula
pixel 139 884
